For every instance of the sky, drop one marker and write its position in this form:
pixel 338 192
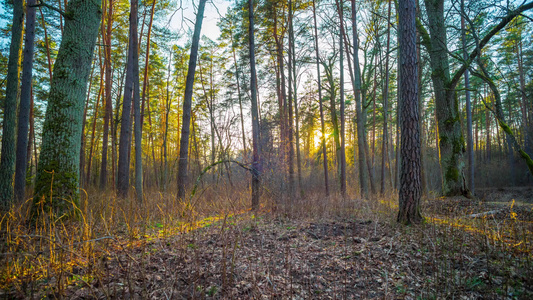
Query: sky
pixel 184 19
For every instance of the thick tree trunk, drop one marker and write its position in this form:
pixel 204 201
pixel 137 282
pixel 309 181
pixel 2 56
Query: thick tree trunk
pixel 322 125
pixel 58 172
pixel 25 103
pixel 451 141
pixel 410 185
pixel 187 103
pixel 7 159
pixel 256 165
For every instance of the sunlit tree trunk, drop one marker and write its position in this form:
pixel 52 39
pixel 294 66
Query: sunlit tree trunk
pixel 58 172
pixel 25 103
pixel 7 159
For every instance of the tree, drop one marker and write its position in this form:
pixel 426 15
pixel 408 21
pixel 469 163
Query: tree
pixel 7 159
pixel 410 182
pixel 57 179
pixel 25 103
pixel 187 103
pixel 256 164
pixel 469 138
pixel 131 90
pixel 451 141
pixel 342 176
pixel 322 127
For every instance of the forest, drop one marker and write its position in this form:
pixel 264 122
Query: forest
pixel 256 149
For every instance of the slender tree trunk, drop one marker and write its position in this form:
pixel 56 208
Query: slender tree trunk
pixel 410 187
pixel 342 178
pixel 7 159
pixel 108 116
pixel 187 102
pixel 129 90
pixel 93 132
pixel 145 89
pixel 292 52
pixel 59 162
pixel 384 146
pixel 256 154
pixel 322 125
pixel 363 179
pixel 137 128
pixel 290 121
pixel 25 103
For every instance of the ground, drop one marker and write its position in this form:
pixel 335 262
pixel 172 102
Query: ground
pixel 357 253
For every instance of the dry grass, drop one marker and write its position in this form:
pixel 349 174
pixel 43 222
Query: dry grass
pixel 312 247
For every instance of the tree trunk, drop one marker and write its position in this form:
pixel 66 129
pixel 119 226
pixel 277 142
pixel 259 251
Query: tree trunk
pixel 57 180
pixel 363 179
pixel 322 125
pixel 342 177
pixel 256 165
pixel 187 103
pixel 7 159
pixel 384 147
pixel 410 187
pixel 469 137
pixel 25 103
pixel 129 90
pixel 137 111
pixel 108 116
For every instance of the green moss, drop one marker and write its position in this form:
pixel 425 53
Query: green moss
pixel 452 174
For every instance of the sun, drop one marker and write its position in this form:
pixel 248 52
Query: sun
pixel 317 138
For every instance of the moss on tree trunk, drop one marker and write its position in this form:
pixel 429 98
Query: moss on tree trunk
pixel 57 180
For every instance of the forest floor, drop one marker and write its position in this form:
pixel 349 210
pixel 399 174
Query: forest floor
pixel 465 249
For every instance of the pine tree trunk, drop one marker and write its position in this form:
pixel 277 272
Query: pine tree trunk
pixel 7 159
pixel 187 103
pixel 108 115
pixel 25 103
pixel 410 185
pixel 384 147
pixel 256 165
pixel 58 172
pixel 137 128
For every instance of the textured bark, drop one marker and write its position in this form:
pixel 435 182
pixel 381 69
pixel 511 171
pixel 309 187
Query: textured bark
pixel 137 128
pixel 256 152
pixel 7 159
pixel 322 125
pixel 57 180
pixel 410 185
pixel 290 133
pixel 131 84
pixel 451 141
pixel 187 103
pixel 25 103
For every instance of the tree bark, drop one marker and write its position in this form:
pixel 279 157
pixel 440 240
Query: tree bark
pixel 410 185
pixel 384 146
pixel 187 103
pixel 25 103
pixel 256 165
pixel 342 177
pixel 57 180
pixel 7 159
